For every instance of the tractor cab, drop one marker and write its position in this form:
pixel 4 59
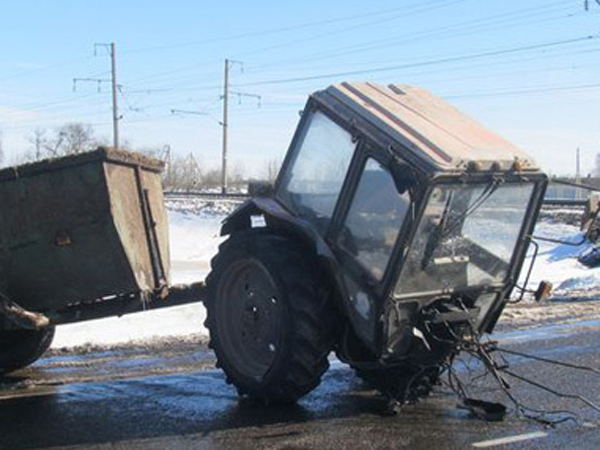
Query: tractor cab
pixel 416 201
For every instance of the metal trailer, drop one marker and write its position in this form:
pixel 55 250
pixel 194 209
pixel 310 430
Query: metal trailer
pixel 82 237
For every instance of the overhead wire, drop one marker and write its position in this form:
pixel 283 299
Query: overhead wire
pixel 353 48
pixel 405 12
pixel 196 87
pixel 60 64
pixel 401 12
pixel 506 52
pixel 283 29
pixel 173 94
pixel 450 31
pixel 444 60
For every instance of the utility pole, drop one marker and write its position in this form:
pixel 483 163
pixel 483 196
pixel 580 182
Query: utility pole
pixel 114 87
pixel 115 107
pixel 225 122
pixel 112 51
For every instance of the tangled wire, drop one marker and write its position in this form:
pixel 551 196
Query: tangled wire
pixel 495 364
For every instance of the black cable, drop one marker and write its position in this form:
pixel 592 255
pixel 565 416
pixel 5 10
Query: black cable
pixel 551 361
pixel 552 391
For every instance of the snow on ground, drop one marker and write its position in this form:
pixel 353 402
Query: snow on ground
pixel 194 228
pixel 558 263
pixel 576 288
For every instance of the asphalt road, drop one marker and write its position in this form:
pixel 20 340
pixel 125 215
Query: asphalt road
pixel 170 396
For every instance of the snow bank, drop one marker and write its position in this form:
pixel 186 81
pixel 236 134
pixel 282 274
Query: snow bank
pixel 576 292
pixel 558 263
pixel 202 208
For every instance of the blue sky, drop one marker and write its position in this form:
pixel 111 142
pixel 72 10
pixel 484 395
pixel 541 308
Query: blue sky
pixel 529 70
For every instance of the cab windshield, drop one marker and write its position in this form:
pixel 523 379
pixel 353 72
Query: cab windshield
pixel 466 237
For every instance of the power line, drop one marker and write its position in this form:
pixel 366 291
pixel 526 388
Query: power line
pixel 487 54
pixel 406 66
pixel 286 106
pixel 54 103
pixel 428 70
pixel 61 64
pixel 531 90
pixel 403 14
pixel 512 18
pixel 279 30
pixel 423 63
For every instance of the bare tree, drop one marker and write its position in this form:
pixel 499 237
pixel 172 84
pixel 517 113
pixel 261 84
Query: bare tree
pixel 39 141
pixel 211 178
pixel 272 169
pixel 69 139
pixel 184 173
pixel 76 138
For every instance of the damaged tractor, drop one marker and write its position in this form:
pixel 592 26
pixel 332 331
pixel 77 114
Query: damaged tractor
pixel 397 226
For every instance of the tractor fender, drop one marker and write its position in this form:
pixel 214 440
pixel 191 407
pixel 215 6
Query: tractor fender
pixel 267 212
pixel 249 214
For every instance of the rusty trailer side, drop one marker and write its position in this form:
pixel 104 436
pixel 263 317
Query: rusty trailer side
pixel 84 232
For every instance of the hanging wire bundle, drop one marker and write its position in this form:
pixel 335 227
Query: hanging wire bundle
pixel 491 358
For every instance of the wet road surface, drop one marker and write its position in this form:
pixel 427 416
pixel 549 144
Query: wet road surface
pixel 170 396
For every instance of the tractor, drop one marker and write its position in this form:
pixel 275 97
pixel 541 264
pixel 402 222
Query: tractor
pixel 397 226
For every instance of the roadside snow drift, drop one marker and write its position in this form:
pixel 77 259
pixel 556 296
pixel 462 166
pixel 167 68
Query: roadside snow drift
pixel 558 263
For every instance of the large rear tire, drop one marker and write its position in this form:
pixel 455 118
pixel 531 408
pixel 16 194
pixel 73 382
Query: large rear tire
pixel 20 348
pixel 269 316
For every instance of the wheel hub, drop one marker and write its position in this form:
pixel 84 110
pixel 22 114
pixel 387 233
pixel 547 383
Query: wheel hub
pixel 252 316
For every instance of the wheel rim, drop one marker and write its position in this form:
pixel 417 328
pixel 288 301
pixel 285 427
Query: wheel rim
pixel 249 318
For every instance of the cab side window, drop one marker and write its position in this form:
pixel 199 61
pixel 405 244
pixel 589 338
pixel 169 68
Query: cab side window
pixel 374 219
pixel 313 180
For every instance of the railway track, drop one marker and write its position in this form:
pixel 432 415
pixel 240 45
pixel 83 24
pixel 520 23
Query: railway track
pixel 205 196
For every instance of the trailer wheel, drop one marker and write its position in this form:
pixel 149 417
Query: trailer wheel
pixel 268 316
pixel 19 348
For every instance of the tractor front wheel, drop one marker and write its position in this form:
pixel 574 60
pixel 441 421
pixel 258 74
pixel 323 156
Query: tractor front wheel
pixel 268 316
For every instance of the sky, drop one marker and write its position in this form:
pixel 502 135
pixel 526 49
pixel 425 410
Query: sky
pixel 528 70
